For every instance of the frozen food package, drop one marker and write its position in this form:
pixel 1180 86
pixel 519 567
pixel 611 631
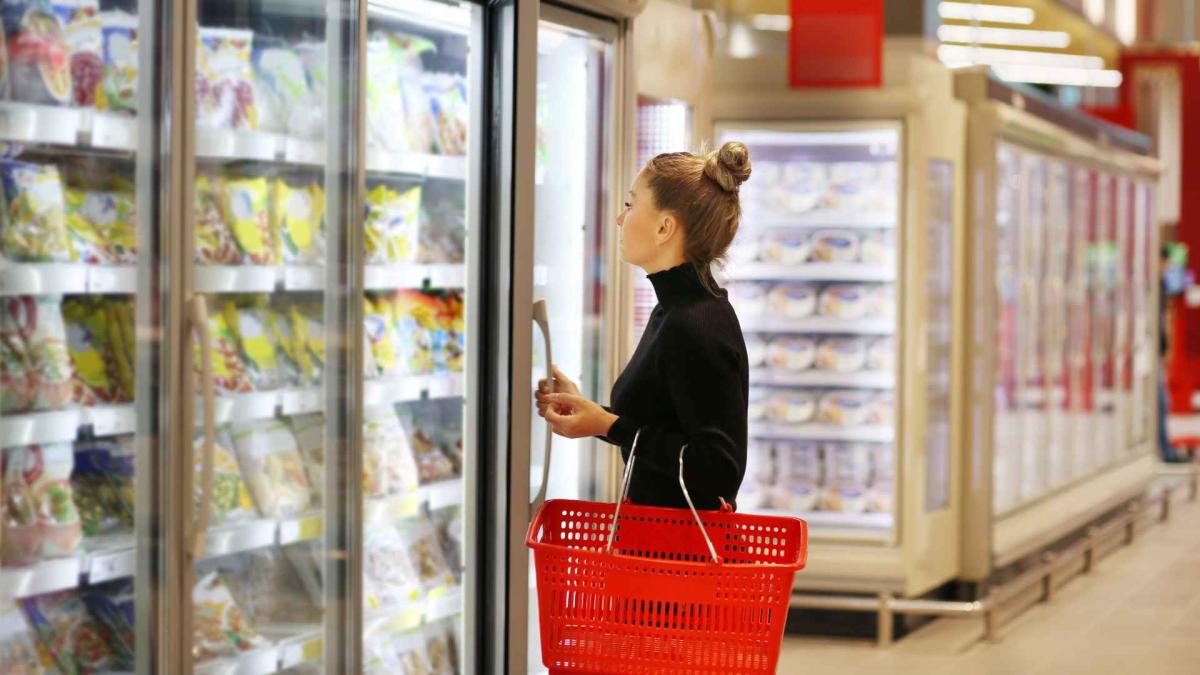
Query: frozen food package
pixel 842 354
pixel 119 51
pixel 756 408
pixel 82 34
pixel 18 651
pixel 791 353
pixel 844 301
pixel 881 354
pixel 398 653
pixel 387 125
pixel 34 225
pixel 438 652
pixel 447 94
pixel 310 438
pixel 310 331
pixel 21 543
pixel 744 249
pixel 112 607
pixel 879 248
pixel 850 185
pixel 415 315
pixel 786 248
pixel 215 243
pixel 307 561
pixel 102 226
pixel 229 373
pixel 272 467
pixel 749 299
pixel 266 586
pixel 453 320
pixel 37 372
pixel 881 301
pixel 792 407
pixel 121 474
pixel 845 498
pixel 806 185
pixel 756 486
pixel 793 301
pixel 848 463
pixel 449 526
pixel 800 460
pixel 883 462
pixel 90 343
pixel 432 464
pixel 389 575
pixel 379 336
pixel 313 57
pixel 797 496
pixel 219 626
pixel 123 342
pixel 224 77
pixel 843 408
pixel 393 224
pixel 299 215
pixel 246 204
pixel 68 633
pixel 882 410
pixel 425 552
pixel 835 246
pixel 251 326
pixel 95 490
pixel 231 499
pixel 39 67
pixel 388 464
pixel 281 91
pixel 756 350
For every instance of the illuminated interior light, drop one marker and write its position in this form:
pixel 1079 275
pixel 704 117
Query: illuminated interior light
pixel 1075 77
pixel 969 11
pixel 1016 37
pixel 987 56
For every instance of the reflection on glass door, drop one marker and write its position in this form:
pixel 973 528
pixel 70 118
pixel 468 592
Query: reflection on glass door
pixel 69 269
pixel 573 183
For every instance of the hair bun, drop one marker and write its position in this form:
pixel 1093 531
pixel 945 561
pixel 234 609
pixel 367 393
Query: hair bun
pixel 729 166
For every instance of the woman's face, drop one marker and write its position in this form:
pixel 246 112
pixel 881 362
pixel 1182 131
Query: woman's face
pixel 639 226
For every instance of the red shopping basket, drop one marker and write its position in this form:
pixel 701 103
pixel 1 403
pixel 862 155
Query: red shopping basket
pixel 626 589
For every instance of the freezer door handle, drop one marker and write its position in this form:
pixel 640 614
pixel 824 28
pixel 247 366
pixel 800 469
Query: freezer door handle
pixel 199 318
pixel 541 318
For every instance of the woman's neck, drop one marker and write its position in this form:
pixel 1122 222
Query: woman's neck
pixel 664 262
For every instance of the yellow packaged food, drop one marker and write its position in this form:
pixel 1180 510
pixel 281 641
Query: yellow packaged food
pixel 393 224
pixel 380 338
pixel 299 222
pixel 229 374
pixel 293 348
pixel 32 221
pixel 248 212
pixel 90 345
pixel 122 354
pixel 256 342
pixel 214 240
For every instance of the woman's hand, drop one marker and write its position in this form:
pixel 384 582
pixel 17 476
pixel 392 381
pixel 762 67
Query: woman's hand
pixel 573 416
pixel 562 385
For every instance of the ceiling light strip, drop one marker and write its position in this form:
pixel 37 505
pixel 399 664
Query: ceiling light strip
pixel 972 11
pixel 1016 37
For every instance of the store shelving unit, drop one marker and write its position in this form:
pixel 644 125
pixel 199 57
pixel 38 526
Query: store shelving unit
pixel 1060 323
pixel 834 170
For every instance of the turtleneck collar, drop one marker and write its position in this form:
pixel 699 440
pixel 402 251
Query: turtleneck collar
pixel 678 284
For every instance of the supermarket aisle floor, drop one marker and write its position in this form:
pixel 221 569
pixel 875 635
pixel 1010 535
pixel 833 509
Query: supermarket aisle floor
pixel 1140 613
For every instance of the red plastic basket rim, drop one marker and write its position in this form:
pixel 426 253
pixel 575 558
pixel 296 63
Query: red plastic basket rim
pixel 535 527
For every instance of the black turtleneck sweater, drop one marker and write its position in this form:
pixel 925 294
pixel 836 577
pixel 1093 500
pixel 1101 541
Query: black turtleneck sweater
pixel 686 384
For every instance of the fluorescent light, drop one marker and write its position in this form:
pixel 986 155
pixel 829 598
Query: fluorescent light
pixel 776 22
pixel 1076 77
pixel 970 11
pixel 1017 37
pixel 988 56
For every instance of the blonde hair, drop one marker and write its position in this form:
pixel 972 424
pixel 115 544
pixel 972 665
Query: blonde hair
pixel 701 190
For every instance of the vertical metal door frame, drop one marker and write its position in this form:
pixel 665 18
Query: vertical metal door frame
pixel 345 185
pixel 163 397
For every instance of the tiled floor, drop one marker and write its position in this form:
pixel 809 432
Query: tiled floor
pixel 1138 614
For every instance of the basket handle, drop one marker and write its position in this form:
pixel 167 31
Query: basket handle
pixel 612 529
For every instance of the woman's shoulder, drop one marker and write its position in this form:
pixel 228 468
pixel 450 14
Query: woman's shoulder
pixel 710 320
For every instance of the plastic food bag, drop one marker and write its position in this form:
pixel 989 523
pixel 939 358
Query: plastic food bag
pixel 282 93
pixel 398 113
pixel 94 490
pixel 393 224
pixel 389 576
pixel 18 652
pixel 246 205
pixel 388 466
pixel 271 463
pixel 118 34
pixel 267 588
pixel 415 315
pixel 310 329
pixel 39 62
pixel 294 356
pixel 224 76
pixel 380 339
pixel 123 352
pixel 102 226
pixel 82 33
pixel 229 373
pixel 69 634
pixel 121 474
pixel 299 221
pixel 310 437
pixel 112 607
pixel 231 499
pixel 34 228
pixel 35 372
pixel 252 326
pixel 449 526
pixel 219 626
pixel 425 552
pixel 439 649
pixel 215 244
pixel 90 343
pixel 432 464
pixel 313 56
pixel 449 111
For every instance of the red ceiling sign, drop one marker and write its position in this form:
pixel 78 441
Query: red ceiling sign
pixel 836 43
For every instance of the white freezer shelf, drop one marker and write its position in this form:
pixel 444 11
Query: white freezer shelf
pixel 267 279
pixel 388 277
pixel 413 388
pixel 864 379
pixel 820 325
pixel 261 661
pixel 300 400
pixel 764 271
pixel 823 432
pixel 65 279
pixel 451 167
pixel 875 522
pixel 46 576
pixel 826 218
pixel 62 426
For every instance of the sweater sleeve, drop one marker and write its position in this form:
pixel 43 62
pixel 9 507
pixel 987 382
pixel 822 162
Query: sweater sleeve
pixel 705 385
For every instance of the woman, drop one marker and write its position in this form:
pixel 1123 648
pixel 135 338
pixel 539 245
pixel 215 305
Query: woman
pixel 687 382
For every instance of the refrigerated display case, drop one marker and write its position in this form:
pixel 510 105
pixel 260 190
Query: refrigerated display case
pixel 844 278
pixel 1059 323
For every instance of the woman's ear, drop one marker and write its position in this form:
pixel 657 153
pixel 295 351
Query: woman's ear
pixel 668 226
